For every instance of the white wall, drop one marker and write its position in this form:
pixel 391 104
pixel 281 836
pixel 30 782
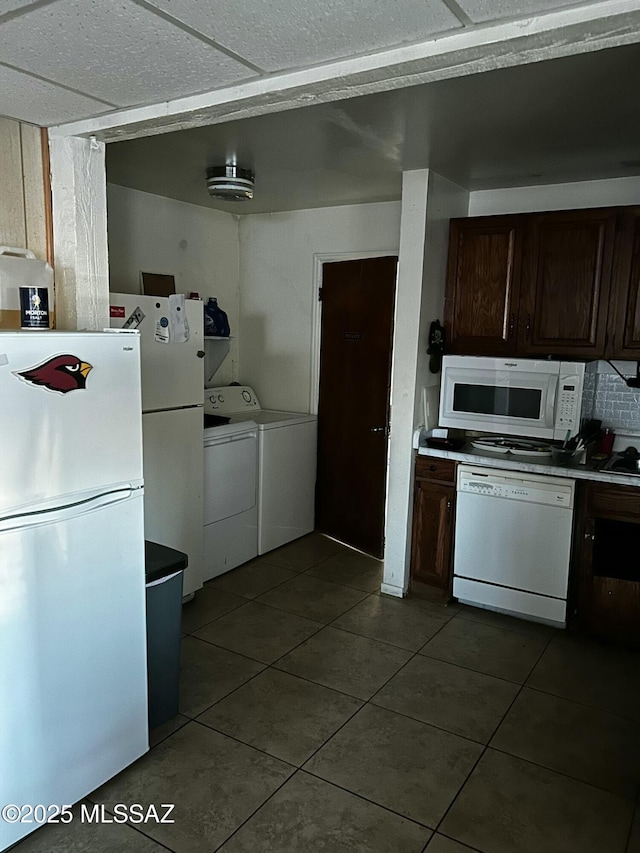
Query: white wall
pixel 277 290
pixel 428 202
pixel 79 200
pixel 198 245
pixel 445 201
pixel 616 191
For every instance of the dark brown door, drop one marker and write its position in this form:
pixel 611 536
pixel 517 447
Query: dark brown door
pixel 566 275
pixel 482 285
pixel 353 410
pixel 624 341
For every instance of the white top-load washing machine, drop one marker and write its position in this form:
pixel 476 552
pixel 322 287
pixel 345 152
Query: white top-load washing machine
pixel 287 447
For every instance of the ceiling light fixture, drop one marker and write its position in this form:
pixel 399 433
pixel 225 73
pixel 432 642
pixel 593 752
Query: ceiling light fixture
pixel 230 183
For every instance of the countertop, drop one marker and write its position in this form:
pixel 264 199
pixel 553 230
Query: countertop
pixel 532 465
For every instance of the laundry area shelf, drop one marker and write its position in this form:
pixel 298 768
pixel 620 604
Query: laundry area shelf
pixel 216 349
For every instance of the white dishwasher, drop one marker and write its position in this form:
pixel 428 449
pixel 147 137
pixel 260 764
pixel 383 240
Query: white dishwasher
pixel 513 542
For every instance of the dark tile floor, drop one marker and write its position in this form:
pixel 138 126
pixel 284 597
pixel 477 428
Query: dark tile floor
pixel 317 715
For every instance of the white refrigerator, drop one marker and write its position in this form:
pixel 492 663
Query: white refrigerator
pixel 172 423
pixel 73 688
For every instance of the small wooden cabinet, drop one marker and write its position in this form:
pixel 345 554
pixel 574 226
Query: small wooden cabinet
pixel 606 566
pixel 545 284
pixel 433 520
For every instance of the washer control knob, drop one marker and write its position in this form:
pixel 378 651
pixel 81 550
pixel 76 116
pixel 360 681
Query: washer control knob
pixel 246 396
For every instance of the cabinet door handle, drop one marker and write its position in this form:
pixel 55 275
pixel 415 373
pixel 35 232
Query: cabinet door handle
pixel 432 468
pixel 590 530
pixel 527 329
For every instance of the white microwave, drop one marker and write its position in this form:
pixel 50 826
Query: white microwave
pixel 512 396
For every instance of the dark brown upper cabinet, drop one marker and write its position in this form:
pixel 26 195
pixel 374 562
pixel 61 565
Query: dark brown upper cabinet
pixel 482 285
pixel 624 325
pixel 566 279
pixel 563 283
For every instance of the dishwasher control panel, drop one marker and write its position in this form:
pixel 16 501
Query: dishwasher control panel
pixel 514 486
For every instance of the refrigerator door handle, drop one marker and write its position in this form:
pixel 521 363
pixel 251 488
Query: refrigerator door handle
pixel 54 515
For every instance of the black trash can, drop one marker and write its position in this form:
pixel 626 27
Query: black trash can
pixel 164 568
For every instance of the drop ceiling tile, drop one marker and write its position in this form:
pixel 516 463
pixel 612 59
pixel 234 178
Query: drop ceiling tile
pixel 116 51
pixel 38 102
pixel 481 11
pixel 276 35
pixel 12 5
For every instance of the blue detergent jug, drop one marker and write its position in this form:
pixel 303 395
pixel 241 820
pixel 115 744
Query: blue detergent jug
pixel 216 322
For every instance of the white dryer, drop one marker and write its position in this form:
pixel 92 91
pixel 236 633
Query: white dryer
pixel 230 494
pixel 287 448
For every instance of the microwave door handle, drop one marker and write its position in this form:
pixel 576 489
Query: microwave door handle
pixel 551 401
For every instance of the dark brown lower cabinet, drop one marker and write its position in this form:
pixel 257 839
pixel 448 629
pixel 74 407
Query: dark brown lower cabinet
pixel 607 563
pixel 433 519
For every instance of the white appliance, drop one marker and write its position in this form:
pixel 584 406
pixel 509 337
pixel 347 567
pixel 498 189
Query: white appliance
pixel 513 542
pixel 541 399
pixel 287 448
pixel 172 392
pixel 72 578
pixel 230 496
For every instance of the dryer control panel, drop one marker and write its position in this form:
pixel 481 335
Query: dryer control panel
pixel 230 399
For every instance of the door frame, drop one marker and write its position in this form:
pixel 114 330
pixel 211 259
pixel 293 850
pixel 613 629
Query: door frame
pixel 319 259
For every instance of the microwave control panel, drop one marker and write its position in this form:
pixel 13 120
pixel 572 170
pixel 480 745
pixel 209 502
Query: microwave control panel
pixel 569 397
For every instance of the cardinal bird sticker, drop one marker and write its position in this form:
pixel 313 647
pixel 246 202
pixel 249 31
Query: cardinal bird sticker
pixel 62 373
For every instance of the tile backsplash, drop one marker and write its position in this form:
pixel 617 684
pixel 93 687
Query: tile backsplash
pixel 607 398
